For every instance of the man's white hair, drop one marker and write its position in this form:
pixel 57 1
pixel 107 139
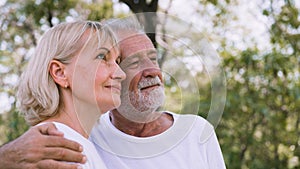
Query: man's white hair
pixel 125 27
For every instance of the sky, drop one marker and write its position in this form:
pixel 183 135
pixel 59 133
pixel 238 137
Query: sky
pixel 249 21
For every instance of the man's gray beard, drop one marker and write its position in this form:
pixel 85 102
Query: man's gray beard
pixel 142 109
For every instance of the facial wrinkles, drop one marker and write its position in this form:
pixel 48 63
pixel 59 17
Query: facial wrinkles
pixel 135 44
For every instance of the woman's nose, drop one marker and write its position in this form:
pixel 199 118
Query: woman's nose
pixel 118 73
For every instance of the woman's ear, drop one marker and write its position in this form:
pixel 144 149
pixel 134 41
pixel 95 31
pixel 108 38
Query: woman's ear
pixel 57 72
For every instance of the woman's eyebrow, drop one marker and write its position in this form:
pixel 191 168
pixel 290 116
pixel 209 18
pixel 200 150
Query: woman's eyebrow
pixel 104 48
pixel 151 51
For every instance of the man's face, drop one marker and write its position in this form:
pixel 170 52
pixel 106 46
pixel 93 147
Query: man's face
pixel 142 90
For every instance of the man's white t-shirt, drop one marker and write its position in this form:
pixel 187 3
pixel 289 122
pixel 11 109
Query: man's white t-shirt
pixel 93 159
pixel 190 143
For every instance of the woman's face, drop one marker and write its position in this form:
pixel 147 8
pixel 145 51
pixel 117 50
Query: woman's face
pixel 96 76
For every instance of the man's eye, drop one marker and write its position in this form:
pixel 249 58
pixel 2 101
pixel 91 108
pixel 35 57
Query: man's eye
pixel 101 56
pixel 134 63
pixel 129 65
pixel 153 59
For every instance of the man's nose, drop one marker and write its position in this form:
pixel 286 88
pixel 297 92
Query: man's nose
pixel 151 72
pixel 150 68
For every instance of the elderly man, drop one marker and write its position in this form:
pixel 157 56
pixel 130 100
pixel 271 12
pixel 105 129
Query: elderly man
pixel 137 135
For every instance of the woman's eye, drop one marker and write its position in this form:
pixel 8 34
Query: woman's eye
pixel 118 60
pixel 101 56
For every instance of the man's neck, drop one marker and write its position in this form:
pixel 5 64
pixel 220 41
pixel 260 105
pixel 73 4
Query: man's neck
pixel 148 129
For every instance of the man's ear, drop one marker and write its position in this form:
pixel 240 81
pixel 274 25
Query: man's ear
pixel 57 72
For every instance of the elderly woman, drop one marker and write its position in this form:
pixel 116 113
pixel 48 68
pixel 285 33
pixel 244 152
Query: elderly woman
pixel 72 78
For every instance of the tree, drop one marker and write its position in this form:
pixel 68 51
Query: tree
pixel 260 126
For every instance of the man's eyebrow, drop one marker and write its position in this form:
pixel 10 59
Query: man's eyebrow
pixel 132 57
pixel 138 54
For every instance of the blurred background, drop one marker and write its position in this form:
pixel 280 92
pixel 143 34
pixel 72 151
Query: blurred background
pixel 258 43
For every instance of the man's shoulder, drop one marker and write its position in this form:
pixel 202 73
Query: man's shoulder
pixel 189 118
pixel 198 126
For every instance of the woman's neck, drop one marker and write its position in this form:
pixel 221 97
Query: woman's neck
pixel 70 119
pixel 77 114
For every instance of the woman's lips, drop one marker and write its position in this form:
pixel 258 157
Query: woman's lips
pixel 115 88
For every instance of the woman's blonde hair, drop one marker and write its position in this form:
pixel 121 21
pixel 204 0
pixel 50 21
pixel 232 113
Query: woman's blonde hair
pixel 38 95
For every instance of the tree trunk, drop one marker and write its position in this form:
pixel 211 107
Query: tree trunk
pixel 148 18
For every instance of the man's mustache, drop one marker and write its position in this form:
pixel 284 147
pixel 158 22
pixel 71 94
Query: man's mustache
pixel 148 82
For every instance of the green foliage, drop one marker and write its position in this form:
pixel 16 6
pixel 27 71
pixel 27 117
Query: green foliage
pixel 104 13
pixel 47 10
pixel 284 29
pixel 16 125
pixel 260 127
pixel 260 114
